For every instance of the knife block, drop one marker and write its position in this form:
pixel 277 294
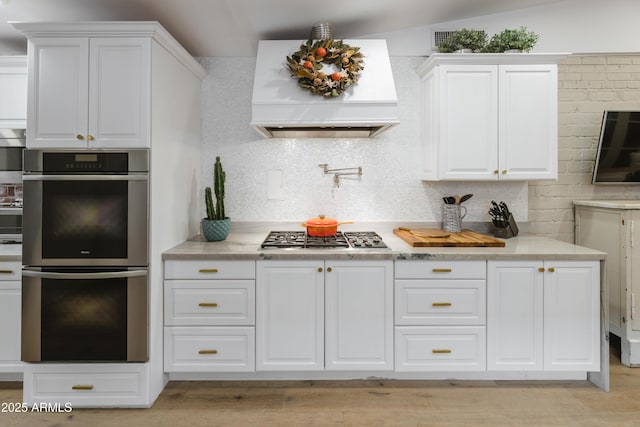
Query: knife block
pixel 508 232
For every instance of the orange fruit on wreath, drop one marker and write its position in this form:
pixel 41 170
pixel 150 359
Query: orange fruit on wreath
pixel 308 64
pixel 336 76
pixel 320 52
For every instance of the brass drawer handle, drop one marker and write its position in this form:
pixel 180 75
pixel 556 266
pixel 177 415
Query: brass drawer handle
pixel 551 269
pixel 440 351
pixel 6 271
pixel 82 387
pixel 89 137
pixel 208 270
pixel 541 269
pixel 208 304
pixel 441 304
pixel 208 352
pixel 79 137
pixel 441 270
pixel 329 269
pixel 319 269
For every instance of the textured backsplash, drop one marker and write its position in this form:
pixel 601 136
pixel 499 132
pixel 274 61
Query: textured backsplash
pixel 389 189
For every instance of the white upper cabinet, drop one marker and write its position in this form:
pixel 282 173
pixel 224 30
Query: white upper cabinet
pixel 87 92
pixel 13 87
pixel 490 116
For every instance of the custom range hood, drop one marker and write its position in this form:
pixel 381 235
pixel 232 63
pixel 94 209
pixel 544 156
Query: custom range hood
pixel 281 109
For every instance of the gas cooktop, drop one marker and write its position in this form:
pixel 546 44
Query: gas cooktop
pixel 300 239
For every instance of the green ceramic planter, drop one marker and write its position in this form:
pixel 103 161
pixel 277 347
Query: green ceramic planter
pixel 216 230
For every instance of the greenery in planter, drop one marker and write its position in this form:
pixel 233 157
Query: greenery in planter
pixel 216 225
pixel 519 39
pixel 464 39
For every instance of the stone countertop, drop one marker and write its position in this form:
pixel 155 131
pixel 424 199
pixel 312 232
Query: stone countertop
pixel 614 204
pixel 243 243
pixel 10 252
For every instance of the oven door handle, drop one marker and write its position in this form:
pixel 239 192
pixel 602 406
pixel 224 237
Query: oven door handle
pixel 101 275
pixel 131 177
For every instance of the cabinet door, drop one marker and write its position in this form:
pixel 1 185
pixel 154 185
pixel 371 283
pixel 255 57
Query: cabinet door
pixel 572 316
pixel 13 87
pixel 606 230
pixel 528 122
pixel 289 315
pixel 359 315
pixel 468 122
pixel 58 92
pixel 119 94
pixel 10 304
pixel 515 316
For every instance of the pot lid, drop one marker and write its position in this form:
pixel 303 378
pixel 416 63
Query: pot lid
pixel 321 221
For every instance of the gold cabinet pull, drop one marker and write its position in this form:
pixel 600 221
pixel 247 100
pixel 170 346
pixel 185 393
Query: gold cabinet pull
pixel 440 351
pixel 441 270
pixel 208 270
pixel 208 352
pixel 329 269
pixel 504 172
pixel 551 269
pixel 541 269
pixel 208 304
pixel 79 137
pixel 89 137
pixel 319 269
pixel 6 271
pixel 496 171
pixel 441 304
pixel 82 387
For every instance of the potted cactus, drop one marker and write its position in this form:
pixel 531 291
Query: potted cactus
pixel 216 226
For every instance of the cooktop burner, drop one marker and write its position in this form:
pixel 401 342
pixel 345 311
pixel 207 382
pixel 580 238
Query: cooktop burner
pixel 300 239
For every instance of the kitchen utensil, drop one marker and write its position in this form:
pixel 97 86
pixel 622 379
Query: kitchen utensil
pixel 452 217
pixel 465 197
pixel 427 232
pixel 456 198
pixel 449 200
pixel 322 226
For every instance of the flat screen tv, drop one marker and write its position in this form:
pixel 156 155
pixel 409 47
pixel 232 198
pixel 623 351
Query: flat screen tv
pixel 618 156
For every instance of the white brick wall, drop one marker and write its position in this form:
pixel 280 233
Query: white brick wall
pixel 588 85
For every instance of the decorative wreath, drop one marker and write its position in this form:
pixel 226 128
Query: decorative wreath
pixel 307 65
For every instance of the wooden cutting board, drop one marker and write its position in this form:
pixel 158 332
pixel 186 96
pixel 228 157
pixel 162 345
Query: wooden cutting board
pixel 428 237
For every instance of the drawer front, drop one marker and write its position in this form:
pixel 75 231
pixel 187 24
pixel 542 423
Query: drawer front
pixel 209 269
pixel 440 302
pixel 441 270
pixel 84 388
pixel 454 348
pixel 10 271
pixel 209 349
pixel 209 302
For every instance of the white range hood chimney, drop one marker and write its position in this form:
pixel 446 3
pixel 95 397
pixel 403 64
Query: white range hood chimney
pixel 280 108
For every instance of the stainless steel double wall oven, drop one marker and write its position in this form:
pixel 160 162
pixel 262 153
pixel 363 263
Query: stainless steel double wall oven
pixel 85 256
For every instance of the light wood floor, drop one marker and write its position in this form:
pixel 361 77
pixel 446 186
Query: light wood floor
pixel 366 403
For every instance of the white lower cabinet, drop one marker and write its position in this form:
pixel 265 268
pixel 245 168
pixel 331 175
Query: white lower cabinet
pixel 296 299
pixel 359 315
pixel 288 317
pixel 440 348
pixel 10 317
pixel 543 315
pixel 209 316
pixel 80 385
pixel 440 316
